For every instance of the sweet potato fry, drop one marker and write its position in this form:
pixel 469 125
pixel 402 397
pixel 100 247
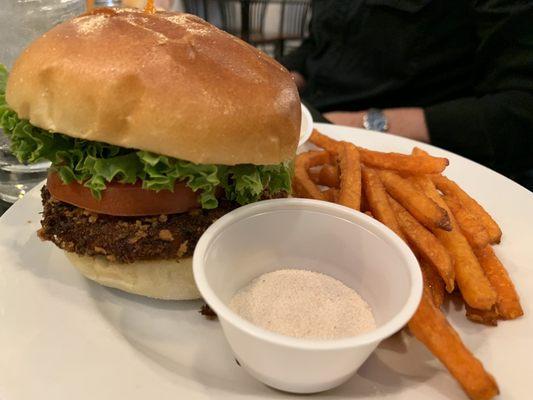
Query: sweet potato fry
pixel 327 143
pixel 350 179
pixel 472 228
pixel 425 244
pixel 433 282
pixel 417 151
pixel 314 175
pixel 395 161
pixel 378 200
pixel 473 284
pixel 315 158
pixel 452 189
pixel 485 317
pixel 430 327
pixel 364 201
pixel 508 302
pixel 303 186
pixel 329 176
pixel 331 195
pixel 417 203
pixel 403 162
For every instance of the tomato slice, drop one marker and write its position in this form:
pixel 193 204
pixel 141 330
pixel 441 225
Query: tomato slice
pixel 123 199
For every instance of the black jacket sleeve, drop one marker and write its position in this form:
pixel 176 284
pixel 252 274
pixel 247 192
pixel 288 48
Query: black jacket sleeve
pixel 495 127
pixel 295 61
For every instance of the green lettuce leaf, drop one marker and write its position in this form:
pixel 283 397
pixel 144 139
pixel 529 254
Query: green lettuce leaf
pixel 161 172
pixel 3 79
pixel 95 164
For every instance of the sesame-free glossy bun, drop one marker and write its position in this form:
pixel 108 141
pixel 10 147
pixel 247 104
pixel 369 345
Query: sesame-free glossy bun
pixel 169 83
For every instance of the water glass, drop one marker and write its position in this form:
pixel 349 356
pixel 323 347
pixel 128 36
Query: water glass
pixel 21 22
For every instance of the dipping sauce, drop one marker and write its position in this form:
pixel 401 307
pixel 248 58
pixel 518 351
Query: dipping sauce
pixel 303 304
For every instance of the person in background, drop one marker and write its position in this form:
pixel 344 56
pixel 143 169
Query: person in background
pixel 454 73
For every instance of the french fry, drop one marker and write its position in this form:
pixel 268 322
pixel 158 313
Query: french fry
pixel 314 175
pixel 508 302
pixel 394 161
pixel 378 200
pixel 315 158
pixel 329 176
pixel 425 244
pixel 473 284
pixel 485 317
pixel 452 189
pixel 350 179
pixel 417 151
pixel 303 186
pixel 433 282
pixel 430 326
pixel 327 143
pixel 331 195
pixel 470 225
pixel 417 203
pixel 403 162
pixel 364 201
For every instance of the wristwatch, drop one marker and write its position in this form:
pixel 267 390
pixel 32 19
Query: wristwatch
pixel 375 120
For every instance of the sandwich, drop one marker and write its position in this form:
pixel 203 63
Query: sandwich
pixel 156 125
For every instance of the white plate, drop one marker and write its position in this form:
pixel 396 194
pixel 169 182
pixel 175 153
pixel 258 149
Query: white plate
pixel 63 337
pixel 306 127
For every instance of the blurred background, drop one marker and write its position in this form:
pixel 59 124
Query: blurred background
pixel 275 26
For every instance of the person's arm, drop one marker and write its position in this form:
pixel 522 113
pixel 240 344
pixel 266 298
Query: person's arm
pixel 408 122
pixel 496 126
pixel 495 130
pixel 295 60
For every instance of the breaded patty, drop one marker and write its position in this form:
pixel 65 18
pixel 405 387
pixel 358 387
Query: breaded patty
pixel 125 239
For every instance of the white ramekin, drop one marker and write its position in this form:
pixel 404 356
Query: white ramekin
pixel 313 235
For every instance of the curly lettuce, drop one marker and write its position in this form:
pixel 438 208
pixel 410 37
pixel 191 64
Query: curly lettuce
pixel 95 164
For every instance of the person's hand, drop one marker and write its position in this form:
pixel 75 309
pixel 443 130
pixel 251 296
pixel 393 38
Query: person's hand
pixel 406 122
pixel 299 79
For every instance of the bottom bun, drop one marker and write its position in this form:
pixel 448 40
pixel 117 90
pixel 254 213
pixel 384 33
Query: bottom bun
pixel 163 279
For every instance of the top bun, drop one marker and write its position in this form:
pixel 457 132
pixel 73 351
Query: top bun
pixel 168 83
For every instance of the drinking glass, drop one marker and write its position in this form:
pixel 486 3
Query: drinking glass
pixel 21 22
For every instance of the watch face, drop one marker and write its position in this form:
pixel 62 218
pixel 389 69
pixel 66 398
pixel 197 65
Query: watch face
pixel 380 124
pixel 376 120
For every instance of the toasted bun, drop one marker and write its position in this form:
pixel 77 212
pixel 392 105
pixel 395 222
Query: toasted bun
pixel 168 83
pixel 165 279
